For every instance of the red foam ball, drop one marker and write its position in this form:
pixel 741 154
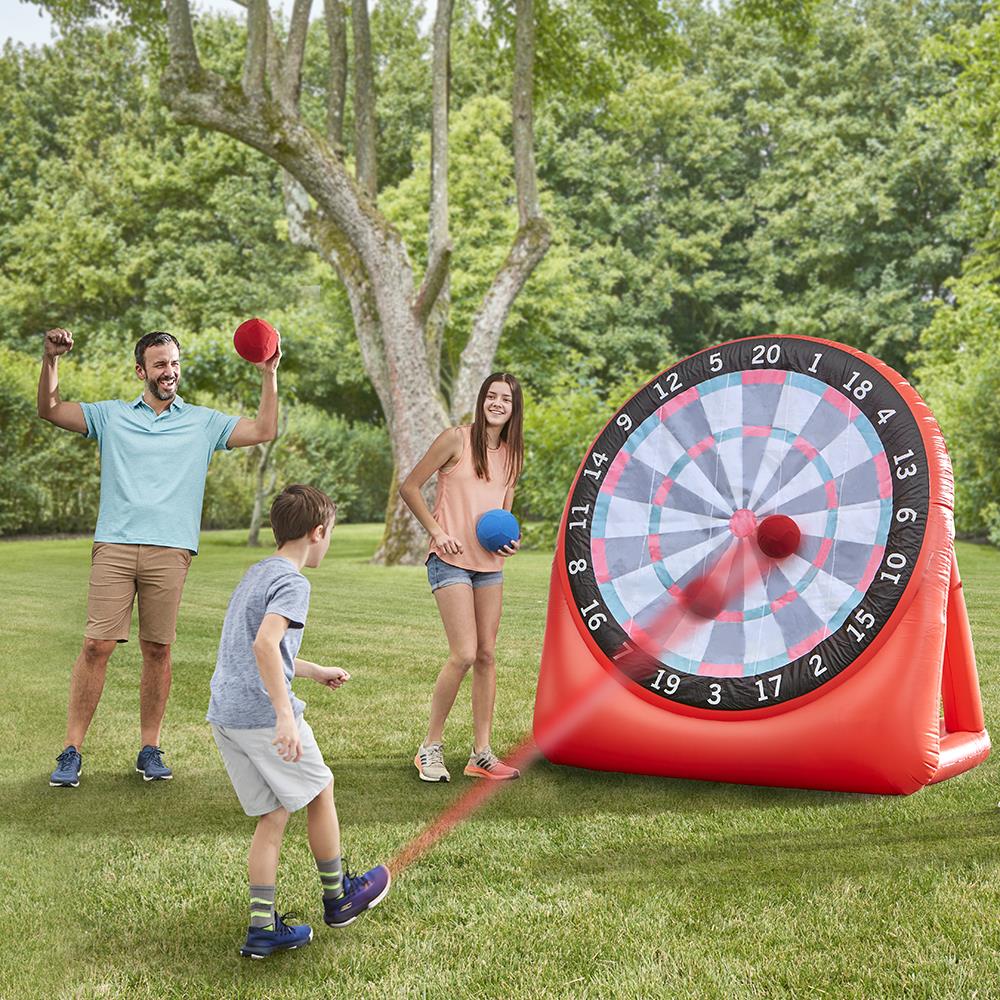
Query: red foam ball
pixel 778 536
pixel 256 340
pixel 705 596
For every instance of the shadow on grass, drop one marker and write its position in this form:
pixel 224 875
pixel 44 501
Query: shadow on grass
pixel 916 853
pixel 380 791
pixel 798 840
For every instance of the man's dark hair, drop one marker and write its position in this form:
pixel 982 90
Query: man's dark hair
pixel 297 509
pixel 148 340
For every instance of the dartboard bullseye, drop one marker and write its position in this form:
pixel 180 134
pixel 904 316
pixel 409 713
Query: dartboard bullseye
pixel 787 477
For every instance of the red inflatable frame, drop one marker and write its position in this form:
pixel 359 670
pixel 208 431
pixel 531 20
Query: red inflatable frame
pixel 907 713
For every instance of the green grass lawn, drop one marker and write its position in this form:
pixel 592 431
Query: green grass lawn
pixel 568 884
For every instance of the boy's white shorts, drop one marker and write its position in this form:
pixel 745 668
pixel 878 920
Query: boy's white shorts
pixel 263 781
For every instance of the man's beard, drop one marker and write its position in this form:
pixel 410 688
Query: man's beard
pixel 163 395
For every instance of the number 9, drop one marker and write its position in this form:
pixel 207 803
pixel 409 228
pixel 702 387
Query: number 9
pixel 624 421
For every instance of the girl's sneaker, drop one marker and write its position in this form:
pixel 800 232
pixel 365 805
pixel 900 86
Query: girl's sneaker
pixel 262 942
pixel 429 763
pixel 361 892
pixel 486 764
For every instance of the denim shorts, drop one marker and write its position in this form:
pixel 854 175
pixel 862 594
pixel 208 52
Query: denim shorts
pixel 441 574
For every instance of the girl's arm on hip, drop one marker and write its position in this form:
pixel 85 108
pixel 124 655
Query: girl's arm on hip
pixel 446 450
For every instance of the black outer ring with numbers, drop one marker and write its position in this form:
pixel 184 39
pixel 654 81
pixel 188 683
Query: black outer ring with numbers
pixel 898 434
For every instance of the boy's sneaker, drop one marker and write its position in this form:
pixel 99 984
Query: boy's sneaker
pixel 150 765
pixel 69 764
pixel 361 892
pixel 429 762
pixel 262 942
pixel 486 764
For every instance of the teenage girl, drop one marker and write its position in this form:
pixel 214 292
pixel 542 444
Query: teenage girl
pixel 478 466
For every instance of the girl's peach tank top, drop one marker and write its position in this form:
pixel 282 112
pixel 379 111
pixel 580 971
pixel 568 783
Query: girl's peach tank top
pixel 462 498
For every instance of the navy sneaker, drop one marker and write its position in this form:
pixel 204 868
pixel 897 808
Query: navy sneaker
pixel 150 765
pixel 283 937
pixel 361 892
pixel 67 773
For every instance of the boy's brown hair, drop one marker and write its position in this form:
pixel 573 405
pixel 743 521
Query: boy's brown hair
pixel 297 509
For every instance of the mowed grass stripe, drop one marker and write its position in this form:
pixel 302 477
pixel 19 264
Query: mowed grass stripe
pixel 569 884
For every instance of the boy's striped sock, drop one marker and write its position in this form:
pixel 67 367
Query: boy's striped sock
pixel 262 907
pixel 332 878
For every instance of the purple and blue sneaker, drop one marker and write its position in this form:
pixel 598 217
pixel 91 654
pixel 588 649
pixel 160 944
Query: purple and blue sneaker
pixel 361 892
pixel 69 764
pixel 262 942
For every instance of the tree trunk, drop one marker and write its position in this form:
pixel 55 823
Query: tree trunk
pixel 397 323
pixel 264 473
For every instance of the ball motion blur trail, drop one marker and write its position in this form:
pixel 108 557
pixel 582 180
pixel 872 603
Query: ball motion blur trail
pixel 704 597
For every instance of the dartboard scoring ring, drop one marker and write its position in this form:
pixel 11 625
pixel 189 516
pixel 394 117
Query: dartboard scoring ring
pixel 746 525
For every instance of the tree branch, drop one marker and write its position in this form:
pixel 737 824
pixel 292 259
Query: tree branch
pixel 521 103
pixel 530 245
pixel 533 237
pixel 273 48
pixel 336 94
pixel 351 271
pixel 364 101
pixel 255 61
pixel 434 279
pixel 440 88
pixel 180 35
pixel 295 50
pixel 212 102
pixel 433 299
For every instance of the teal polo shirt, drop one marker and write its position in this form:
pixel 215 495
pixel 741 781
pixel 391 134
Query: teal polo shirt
pixel 153 469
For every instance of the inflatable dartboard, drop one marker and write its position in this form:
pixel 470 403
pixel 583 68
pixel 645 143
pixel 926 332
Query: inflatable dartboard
pixel 755 581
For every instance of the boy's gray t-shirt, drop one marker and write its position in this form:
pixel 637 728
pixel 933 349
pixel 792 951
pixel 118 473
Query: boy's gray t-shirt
pixel 239 699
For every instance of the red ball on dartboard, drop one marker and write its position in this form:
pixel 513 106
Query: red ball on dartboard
pixel 255 340
pixel 778 536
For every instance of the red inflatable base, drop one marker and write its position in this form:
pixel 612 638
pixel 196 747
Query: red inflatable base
pixel 882 732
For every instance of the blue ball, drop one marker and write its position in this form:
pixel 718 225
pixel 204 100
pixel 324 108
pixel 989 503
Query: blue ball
pixel 497 528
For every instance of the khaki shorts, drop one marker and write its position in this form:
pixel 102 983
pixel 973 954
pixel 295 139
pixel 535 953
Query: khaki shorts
pixel 262 780
pixel 119 572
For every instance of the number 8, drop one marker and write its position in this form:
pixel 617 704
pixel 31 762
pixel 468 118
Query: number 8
pixel 577 566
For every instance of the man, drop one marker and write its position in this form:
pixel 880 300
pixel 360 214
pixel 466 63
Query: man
pixel 155 452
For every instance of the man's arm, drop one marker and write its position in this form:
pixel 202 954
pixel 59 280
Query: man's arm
pixel 69 416
pixel 265 427
pixel 267 651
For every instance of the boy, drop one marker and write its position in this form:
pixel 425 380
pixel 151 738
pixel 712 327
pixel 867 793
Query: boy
pixel 266 744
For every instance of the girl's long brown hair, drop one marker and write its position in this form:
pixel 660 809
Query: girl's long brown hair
pixel 512 432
